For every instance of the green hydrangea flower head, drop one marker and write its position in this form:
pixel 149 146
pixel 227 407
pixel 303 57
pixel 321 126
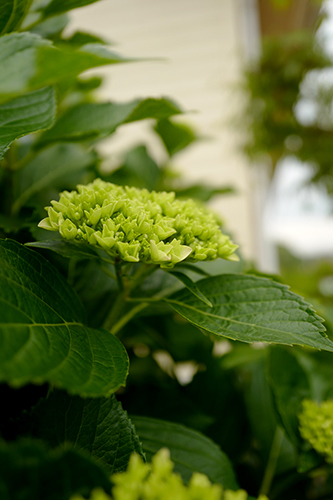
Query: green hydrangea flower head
pixel 137 225
pixel 157 481
pixel 316 426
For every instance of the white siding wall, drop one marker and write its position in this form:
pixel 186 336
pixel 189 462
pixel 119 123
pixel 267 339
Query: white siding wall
pixel 201 41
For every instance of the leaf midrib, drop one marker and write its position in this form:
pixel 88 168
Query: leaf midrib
pixel 65 323
pixel 9 280
pixel 174 446
pixel 215 316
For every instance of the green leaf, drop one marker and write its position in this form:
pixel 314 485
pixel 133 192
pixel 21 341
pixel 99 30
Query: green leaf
pixel 189 450
pixel 40 63
pixel 11 224
pixel 138 170
pixel 175 136
pixel 80 38
pixel 88 121
pixel 26 114
pixel 68 249
pixel 191 286
pixel 193 268
pixel 43 337
pixel 52 26
pixel 318 369
pixel 204 193
pixel 240 355
pixel 290 386
pixel 252 309
pixel 98 426
pixel 29 471
pixel 12 14
pixel 308 460
pixel 59 6
pixel 48 168
pixel 266 432
pixel 6 11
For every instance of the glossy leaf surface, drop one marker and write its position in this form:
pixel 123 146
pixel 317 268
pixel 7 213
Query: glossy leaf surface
pixel 24 115
pixel 43 337
pixel 190 450
pixel 252 309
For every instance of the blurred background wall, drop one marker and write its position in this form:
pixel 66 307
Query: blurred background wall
pixel 197 51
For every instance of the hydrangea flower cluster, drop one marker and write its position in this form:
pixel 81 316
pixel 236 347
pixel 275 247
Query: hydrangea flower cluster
pixel 317 426
pixel 157 481
pixel 137 225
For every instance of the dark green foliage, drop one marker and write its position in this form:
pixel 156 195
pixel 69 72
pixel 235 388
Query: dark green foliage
pixel 198 382
pixel 28 470
pixel 52 166
pixel 97 426
pixel 12 14
pixel 89 121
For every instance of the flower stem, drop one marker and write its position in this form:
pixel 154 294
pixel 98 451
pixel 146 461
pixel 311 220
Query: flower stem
pixel 117 266
pixel 272 461
pixel 108 272
pixel 127 317
pixel 115 311
pixel 143 303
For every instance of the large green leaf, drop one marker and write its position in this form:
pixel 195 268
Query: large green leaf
pixel 98 426
pixel 43 337
pixel 29 62
pixel 12 14
pixel 88 121
pixel 252 309
pixel 23 115
pixel 49 168
pixel 29 471
pixel 189 450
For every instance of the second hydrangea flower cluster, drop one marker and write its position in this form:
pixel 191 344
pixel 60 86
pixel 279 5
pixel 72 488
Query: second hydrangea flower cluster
pixel 137 225
pixel 317 426
pixel 157 481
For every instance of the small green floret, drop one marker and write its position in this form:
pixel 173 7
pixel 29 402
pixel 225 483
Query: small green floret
pixel 316 426
pixel 136 225
pixel 157 481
